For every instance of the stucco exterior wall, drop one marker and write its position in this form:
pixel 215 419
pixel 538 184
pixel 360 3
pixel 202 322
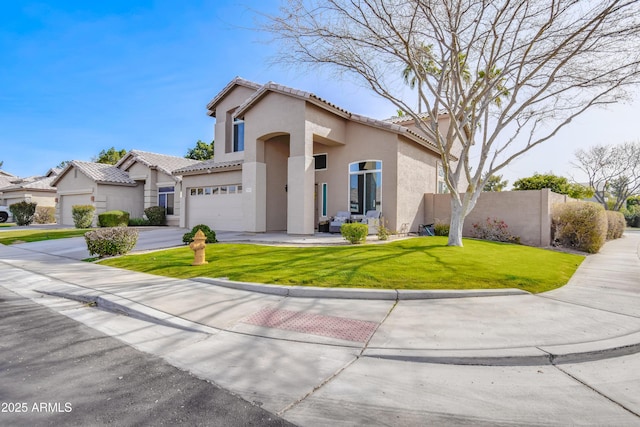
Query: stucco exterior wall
pixel 417 174
pixel 41 198
pixel 122 198
pixel 527 213
pixel 362 143
pixel 223 130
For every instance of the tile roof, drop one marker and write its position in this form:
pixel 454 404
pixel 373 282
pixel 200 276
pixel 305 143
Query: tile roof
pixel 31 183
pixel 100 173
pixel 210 166
pixel 163 162
pixel 238 81
pixel 310 97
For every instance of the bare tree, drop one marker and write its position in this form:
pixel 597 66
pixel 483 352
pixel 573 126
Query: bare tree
pixel 507 74
pixel 613 171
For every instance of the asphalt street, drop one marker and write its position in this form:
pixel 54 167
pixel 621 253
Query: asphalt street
pixel 56 371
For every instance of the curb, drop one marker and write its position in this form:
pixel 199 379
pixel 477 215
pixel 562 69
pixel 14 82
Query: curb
pixel 518 356
pixel 356 293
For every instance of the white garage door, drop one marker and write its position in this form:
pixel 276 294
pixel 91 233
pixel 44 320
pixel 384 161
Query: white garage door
pixel 67 202
pixel 221 212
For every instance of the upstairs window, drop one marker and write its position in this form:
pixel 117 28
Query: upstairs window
pixel 238 135
pixel 320 162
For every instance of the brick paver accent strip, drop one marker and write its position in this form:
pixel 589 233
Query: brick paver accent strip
pixel 314 324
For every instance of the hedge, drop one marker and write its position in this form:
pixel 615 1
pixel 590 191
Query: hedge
pixel 111 241
pixel 113 219
pixel 579 225
pixel 156 215
pixel 82 215
pixel 211 235
pixel 615 225
pixel 354 232
pixel 23 212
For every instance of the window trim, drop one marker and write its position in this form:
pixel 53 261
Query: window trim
pixel 166 196
pixel 364 172
pixel 235 146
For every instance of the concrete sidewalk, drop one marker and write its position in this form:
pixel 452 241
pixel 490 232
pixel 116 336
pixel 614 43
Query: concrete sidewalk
pixel 296 355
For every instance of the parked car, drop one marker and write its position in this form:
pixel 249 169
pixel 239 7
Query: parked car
pixel 5 214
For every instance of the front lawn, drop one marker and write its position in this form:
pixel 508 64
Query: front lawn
pixel 36 234
pixel 418 263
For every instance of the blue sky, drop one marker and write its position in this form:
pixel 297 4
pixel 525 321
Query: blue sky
pixel 77 77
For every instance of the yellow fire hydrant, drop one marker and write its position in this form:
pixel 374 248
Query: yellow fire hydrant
pixel 198 247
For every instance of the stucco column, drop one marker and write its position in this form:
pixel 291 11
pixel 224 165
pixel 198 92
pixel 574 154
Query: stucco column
pixel 254 184
pixel 300 195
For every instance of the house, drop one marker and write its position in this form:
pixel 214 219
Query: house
pixel 139 180
pixel 33 189
pixel 285 159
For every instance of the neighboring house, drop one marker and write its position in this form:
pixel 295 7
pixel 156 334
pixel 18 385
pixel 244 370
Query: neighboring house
pixel 286 159
pixel 34 189
pixel 5 178
pixel 139 180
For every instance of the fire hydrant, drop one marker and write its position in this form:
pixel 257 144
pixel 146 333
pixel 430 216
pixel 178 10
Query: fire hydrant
pixel 198 247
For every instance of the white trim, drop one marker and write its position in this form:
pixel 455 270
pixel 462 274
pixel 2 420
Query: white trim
pixel 349 173
pixel 166 184
pixel 75 192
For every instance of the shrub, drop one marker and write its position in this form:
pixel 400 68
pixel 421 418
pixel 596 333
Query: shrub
pixel 494 229
pixel 632 215
pixel 211 235
pixel 45 215
pixel 441 229
pixel 615 224
pixel 82 215
pixel 138 222
pixel 111 241
pixel 156 215
pixel 23 212
pixel 113 219
pixel 579 225
pixel 355 232
pixel 383 231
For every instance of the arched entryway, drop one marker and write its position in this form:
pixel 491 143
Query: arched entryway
pixel 276 155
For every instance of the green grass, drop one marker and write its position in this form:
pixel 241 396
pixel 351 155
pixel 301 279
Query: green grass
pixel 36 235
pixel 418 263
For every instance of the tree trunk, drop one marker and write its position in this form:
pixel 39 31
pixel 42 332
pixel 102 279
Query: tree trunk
pixel 457 221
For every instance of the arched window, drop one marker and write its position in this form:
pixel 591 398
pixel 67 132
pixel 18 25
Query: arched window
pixel 365 186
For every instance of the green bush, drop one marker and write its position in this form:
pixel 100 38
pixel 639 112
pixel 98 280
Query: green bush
pixel 113 219
pixel 45 215
pixel 579 225
pixel 615 225
pixel 383 232
pixel 632 215
pixel 211 235
pixel 441 229
pixel 355 232
pixel 111 241
pixel 156 215
pixel 23 212
pixel 138 222
pixel 82 215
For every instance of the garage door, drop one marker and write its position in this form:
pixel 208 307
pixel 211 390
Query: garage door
pixel 218 211
pixel 67 202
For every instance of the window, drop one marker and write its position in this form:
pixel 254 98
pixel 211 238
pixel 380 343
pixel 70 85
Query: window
pixel 365 186
pixel 238 135
pixel 165 198
pixel 323 195
pixel 320 161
